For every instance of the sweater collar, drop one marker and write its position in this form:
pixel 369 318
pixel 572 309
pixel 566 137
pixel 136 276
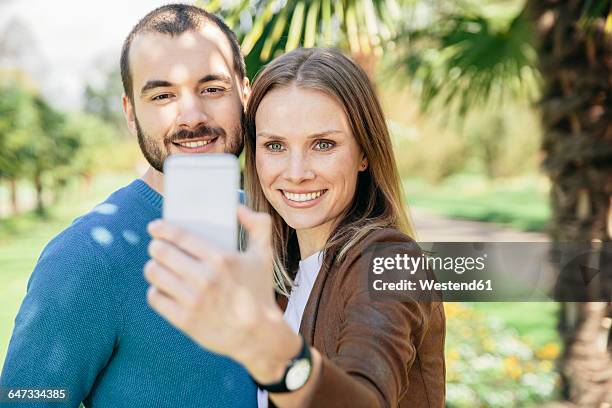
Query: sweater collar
pixel 146 192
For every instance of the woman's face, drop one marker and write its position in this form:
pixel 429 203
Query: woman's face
pixel 306 157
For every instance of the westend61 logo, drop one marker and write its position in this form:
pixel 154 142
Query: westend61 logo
pixel 412 264
pixel 490 271
pixel 425 284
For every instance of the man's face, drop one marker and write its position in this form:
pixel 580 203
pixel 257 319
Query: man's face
pixel 187 96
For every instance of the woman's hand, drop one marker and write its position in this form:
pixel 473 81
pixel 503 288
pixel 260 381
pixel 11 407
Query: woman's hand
pixel 222 299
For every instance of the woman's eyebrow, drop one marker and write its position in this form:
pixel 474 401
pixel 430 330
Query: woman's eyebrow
pixel 312 136
pixel 324 133
pixel 268 135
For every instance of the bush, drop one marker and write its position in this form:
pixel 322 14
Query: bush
pixel 504 142
pixel 433 154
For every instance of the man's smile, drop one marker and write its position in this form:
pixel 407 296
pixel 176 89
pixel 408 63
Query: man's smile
pixel 196 145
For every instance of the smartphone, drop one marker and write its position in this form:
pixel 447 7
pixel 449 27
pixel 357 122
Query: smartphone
pixel 201 195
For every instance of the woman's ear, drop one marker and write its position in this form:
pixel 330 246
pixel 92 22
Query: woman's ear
pixel 364 163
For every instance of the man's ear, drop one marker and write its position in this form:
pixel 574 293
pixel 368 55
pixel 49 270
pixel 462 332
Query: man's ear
pixel 246 91
pixel 128 113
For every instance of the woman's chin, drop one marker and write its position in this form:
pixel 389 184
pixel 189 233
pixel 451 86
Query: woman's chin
pixel 303 224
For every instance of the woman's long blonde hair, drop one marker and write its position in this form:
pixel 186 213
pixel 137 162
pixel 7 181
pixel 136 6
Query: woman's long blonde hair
pixel 378 201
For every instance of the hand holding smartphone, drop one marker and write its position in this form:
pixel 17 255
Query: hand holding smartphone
pixel 201 194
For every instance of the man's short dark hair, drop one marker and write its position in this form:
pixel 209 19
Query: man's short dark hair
pixel 175 19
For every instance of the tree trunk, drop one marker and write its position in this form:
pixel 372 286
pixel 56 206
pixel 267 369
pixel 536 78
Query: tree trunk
pixel 576 64
pixel 13 196
pixel 40 205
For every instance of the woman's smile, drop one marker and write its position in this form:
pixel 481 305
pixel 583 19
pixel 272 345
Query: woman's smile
pixel 303 199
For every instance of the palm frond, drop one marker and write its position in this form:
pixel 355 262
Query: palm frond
pixel 592 10
pixel 463 60
pixel 283 25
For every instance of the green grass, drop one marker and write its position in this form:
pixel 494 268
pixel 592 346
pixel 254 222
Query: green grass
pixel 22 239
pixel 521 203
pixel 535 322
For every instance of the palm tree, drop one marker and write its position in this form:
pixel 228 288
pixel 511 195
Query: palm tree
pixel 575 54
pixel 459 60
pixel 268 28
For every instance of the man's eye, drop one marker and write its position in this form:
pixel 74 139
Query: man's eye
pixel 274 146
pixel 324 145
pixel 160 97
pixel 212 90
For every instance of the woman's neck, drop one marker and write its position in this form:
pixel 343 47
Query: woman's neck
pixel 312 240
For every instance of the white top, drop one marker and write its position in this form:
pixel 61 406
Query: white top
pixel 304 281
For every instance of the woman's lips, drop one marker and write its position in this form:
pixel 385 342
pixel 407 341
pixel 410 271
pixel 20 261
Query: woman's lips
pixel 302 199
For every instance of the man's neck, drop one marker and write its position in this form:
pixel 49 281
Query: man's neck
pixel 154 179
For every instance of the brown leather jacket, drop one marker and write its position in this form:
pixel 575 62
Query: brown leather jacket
pixel 376 352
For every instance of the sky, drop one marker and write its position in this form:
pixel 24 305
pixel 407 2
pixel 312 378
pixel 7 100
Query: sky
pixel 73 37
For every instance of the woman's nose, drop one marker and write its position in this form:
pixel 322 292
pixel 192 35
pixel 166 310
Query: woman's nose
pixel 298 169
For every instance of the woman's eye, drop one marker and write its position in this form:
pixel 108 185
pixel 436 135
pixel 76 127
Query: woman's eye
pixel 160 97
pixel 324 145
pixel 274 146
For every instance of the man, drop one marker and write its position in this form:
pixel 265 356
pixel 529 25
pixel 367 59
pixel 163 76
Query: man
pixel 84 325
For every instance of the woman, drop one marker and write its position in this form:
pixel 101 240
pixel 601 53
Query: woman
pixel 321 176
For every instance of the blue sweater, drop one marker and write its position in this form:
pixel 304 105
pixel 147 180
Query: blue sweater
pixel 85 326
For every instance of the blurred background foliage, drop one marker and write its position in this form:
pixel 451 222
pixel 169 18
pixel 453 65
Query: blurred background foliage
pixel 424 57
pixel 47 148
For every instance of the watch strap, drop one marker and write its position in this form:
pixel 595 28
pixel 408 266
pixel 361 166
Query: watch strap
pixel 281 385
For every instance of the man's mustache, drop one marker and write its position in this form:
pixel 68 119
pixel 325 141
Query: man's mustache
pixel 201 131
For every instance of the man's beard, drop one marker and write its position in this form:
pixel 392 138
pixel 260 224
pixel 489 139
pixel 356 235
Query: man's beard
pixel 156 155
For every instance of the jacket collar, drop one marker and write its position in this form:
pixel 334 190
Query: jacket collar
pixel 309 318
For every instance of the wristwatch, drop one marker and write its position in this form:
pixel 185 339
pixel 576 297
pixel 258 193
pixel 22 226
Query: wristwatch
pixel 296 374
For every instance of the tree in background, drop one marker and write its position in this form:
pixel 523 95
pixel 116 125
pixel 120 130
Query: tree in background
pixel 12 99
pixel 103 99
pixel 267 28
pixel 46 147
pixel 574 43
pixel 37 144
pixel 463 59
pixel 95 137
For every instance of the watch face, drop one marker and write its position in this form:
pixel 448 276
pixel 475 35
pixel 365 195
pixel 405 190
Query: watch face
pixel 298 374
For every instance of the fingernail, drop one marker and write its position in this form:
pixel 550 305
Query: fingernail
pixel 153 225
